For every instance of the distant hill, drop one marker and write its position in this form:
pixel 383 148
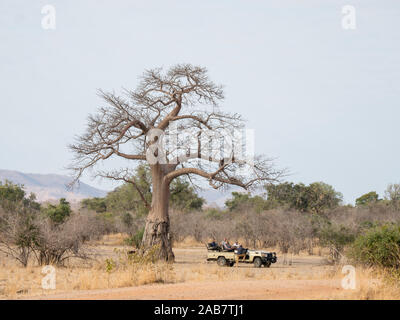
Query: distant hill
pixel 48 187
pixel 216 198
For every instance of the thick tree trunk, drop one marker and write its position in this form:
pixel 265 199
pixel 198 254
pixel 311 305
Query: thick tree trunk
pixel 156 232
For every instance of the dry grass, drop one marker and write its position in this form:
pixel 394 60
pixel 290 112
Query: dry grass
pixel 116 239
pixel 189 242
pixel 372 284
pixel 16 281
pixel 19 282
pixel 113 269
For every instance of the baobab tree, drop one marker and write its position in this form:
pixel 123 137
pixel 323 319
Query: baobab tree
pixel 173 122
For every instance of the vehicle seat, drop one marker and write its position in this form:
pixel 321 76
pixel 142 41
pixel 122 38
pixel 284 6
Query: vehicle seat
pixel 213 248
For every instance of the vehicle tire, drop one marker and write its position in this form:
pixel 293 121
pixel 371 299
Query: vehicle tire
pixel 231 264
pixel 257 262
pixel 221 261
pixel 267 264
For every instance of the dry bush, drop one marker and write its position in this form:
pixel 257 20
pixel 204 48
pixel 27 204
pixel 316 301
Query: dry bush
pixel 363 217
pixel 287 230
pixel 17 232
pixel 27 235
pixel 290 231
pixel 57 243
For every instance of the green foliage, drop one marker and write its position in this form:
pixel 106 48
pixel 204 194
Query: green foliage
pixel 13 196
pixel 183 196
pixel 287 194
pixel 58 213
pixel 336 235
pixel 96 204
pixel 315 198
pixel 322 196
pixel 128 198
pixel 18 231
pixel 380 246
pixel 367 199
pixel 136 239
pixel 333 236
pixel 127 219
pixel 214 213
pixel 240 201
pixel 11 192
pixel 110 265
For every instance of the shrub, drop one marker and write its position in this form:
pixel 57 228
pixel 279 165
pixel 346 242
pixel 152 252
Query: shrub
pixel 18 231
pixel 367 199
pixel 13 197
pixel 378 247
pixel 127 220
pixel 136 239
pixel 26 233
pixel 18 234
pixel 96 204
pixel 335 237
pixel 244 201
pixel 58 243
pixel 184 196
pixel 58 213
pixel 316 197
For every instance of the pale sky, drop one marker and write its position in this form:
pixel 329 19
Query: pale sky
pixel 323 100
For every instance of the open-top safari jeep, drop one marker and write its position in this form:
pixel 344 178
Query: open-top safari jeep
pixel 229 258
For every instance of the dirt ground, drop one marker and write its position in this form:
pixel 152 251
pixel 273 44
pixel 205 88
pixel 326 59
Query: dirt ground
pixel 297 277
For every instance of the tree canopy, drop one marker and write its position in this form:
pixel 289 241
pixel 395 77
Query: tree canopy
pixel 368 198
pixel 58 213
pixel 315 197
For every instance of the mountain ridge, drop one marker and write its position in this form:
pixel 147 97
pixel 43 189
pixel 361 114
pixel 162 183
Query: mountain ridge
pixel 48 187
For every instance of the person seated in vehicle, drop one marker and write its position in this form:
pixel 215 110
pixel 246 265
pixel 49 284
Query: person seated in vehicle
pixel 226 246
pixel 236 244
pixel 212 245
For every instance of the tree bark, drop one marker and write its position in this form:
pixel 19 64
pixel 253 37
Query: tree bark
pixel 157 230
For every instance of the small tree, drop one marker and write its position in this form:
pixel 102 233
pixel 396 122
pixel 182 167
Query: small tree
pixel 392 194
pixel 315 198
pixel 184 197
pixel 367 199
pixel 335 237
pixel 321 196
pixel 13 196
pixel 18 231
pixel 18 234
pixel 286 194
pixel 241 201
pixel 132 197
pixel 96 204
pixel 238 200
pixel 58 213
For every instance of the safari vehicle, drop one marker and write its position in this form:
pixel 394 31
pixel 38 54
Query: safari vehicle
pixel 228 258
